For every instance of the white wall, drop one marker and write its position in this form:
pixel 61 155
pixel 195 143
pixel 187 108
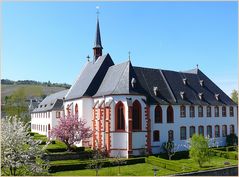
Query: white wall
pixel 189 121
pixel 44 119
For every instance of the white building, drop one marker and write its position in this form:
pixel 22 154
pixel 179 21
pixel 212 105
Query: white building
pixel 131 109
pixel 44 117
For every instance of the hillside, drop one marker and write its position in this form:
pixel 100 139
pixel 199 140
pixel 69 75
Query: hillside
pixel 32 88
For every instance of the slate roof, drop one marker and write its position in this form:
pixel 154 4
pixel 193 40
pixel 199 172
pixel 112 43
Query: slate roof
pixel 52 102
pixel 170 85
pixel 90 78
pixel 97 43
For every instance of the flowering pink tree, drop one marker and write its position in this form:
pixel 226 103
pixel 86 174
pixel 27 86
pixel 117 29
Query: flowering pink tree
pixel 71 130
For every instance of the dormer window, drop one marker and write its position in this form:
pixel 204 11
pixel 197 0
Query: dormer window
pixel 217 96
pixel 156 91
pixel 133 82
pixel 201 82
pixel 182 94
pixel 200 95
pixel 185 81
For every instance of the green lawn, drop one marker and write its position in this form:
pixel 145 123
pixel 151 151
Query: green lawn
pixel 145 169
pixel 142 169
pixel 215 162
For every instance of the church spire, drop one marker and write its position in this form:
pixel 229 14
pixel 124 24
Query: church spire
pixel 97 45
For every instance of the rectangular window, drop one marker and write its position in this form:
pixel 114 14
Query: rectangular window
pixel 231 112
pixel 224 130
pixel 182 111
pixel 200 111
pixel 58 114
pixel 216 111
pixel 209 111
pixel 192 111
pixel 183 134
pixel 201 130
pixel 209 131
pixel 217 131
pixel 156 135
pixel 192 131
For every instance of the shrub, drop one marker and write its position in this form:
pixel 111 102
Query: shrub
pixel 53 150
pixel 199 150
pixel 170 165
pixel 228 155
pixel 232 140
pixel 53 142
pixel 32 134
pixel 77 149
pixel 83 165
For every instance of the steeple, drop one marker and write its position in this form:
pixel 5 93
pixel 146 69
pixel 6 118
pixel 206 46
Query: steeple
pixel 97 46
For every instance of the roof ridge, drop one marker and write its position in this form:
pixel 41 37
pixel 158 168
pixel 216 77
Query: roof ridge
pixel 120 64
pixel 78 77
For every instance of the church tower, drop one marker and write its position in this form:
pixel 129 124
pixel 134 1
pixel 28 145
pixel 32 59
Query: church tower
pixel 97 45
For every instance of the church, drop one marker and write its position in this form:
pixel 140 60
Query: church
pixel 133 110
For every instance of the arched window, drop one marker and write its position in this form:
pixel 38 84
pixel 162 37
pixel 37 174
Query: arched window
pixel 209 131
pixel 183 133
pixel 119 116
pixel 170 135
pixel 232 130
pixel 217 131
pixel 224 111
pixel 231 111
pixel 200 111
pixel 170 116
pixel 216 111
pixel 209 112
pixel 201 130
pixel 158 114
pixel 156 135
pixel 192 111
pixel 192 131
pixel 137 120
pixel 182 111
pixel 76 110
pixel 224 130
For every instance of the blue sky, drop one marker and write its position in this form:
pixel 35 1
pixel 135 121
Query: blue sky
pixel 50 40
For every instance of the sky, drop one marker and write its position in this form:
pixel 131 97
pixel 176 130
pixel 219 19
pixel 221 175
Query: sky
pixel 49 41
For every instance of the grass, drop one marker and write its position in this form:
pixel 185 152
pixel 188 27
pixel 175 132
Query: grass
pixel 57 145
pixel 215 162
pixel 66 162
pixel 143 169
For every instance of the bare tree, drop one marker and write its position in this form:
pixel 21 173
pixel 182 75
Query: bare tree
pixel 97 161
pixel 118 160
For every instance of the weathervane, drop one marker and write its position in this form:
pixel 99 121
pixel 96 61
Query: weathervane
pixel 129 55
pixel 197 66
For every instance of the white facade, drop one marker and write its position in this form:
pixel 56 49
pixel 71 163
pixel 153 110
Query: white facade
pixel 42 122
pixel 119 140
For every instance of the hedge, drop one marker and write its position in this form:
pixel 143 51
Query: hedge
pixel 227 155
pixel 177 156
pixel 84 165
pixel 170 165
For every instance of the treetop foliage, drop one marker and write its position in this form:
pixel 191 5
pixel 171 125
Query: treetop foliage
pixel 32 82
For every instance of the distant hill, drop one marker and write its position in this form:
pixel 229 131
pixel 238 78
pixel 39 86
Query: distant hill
pixel 32 88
